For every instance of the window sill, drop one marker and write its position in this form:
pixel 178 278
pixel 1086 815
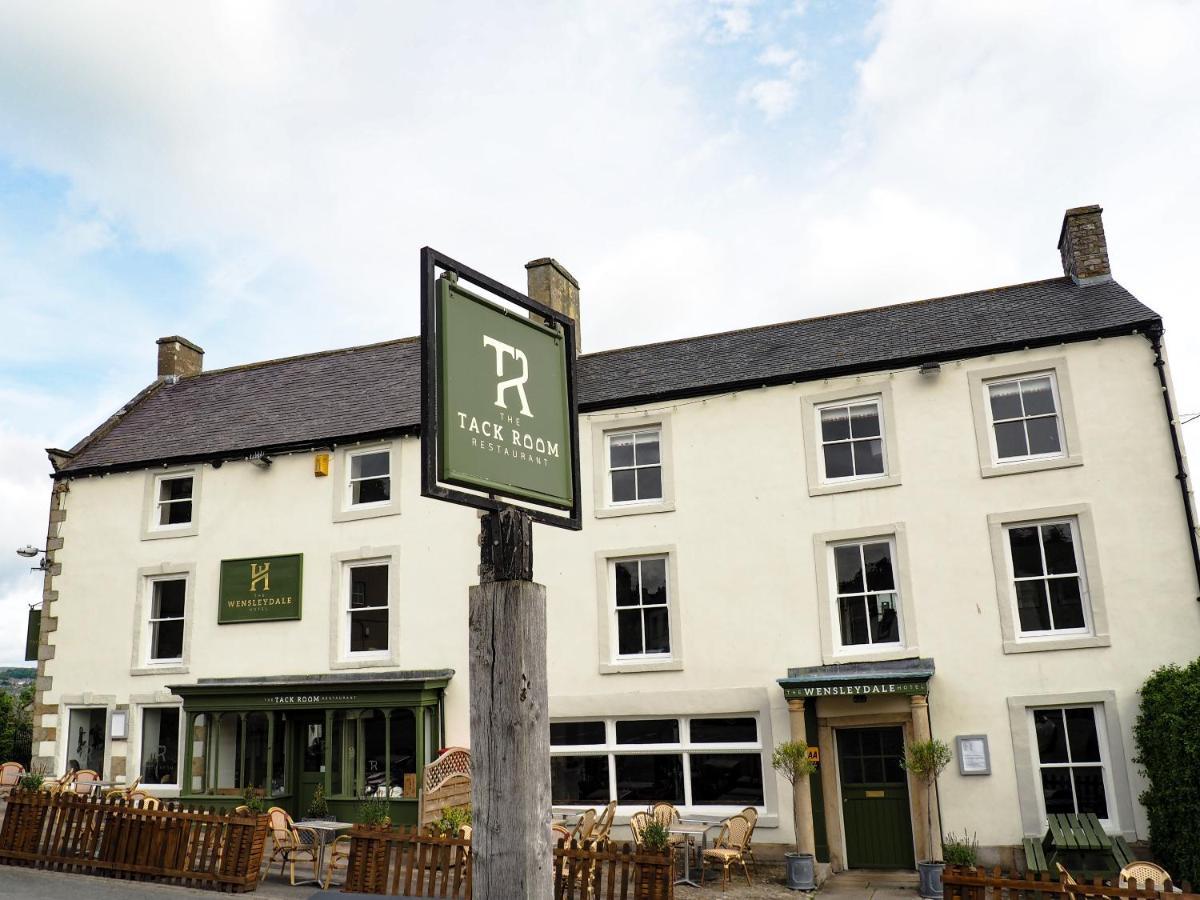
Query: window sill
pixel 365 662
pixel 353 514
pixel 1032 465
pixel 634 509
pixel 862 484
pixel 646 665
pixel 156 534
pixel 888 655
pixel 179 668
pixel 1078 642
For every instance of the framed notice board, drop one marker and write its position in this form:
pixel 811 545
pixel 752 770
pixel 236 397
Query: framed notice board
pixel 260 589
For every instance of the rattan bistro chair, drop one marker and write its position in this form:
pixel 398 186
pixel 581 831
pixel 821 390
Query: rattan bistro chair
pixel 288 842
pixel 84 782
pixel 729 849
pixel 751 814
pixel 583 828
pixel 339 857
pixel 10 776
pixel 1141 871
pixel 604 824
pixel 637 826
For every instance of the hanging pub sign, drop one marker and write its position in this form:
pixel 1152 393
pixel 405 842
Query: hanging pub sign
pixel 260 589
pixel 498 409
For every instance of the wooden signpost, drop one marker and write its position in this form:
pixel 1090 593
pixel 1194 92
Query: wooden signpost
pixel 499 424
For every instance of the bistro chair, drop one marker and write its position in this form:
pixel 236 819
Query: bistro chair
pixel 583 828
pixel 61 783
pixel 751 814
pixel 10 776
pixel 559 832
pixel 288 841
pixel 84 782
pixel 604 824
pixel 339 857
pixel 729 849
pixel 1140 871
pixel 637 826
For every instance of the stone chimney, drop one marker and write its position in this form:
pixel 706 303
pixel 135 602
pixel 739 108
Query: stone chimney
pixel 551 284
pixel 1082 245
pixel 178 357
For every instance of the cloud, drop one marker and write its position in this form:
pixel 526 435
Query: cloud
pixel 773 97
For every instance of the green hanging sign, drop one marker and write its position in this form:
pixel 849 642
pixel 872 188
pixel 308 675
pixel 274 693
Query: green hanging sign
pixel 499 415
pixel 260 589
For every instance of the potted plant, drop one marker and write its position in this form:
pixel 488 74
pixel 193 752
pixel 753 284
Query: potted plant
pixel 318 807
pixel 252 799
pixel 961 852
pixel 925 760
pixel 374 812
pixel 656 840
pixel 790 760
pixel 452 820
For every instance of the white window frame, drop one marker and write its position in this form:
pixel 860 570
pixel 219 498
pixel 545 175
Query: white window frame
pixel 348 611
pixel 610 749
pixel 155 580
pixel 159 503
pixel 979 381
pixel 140 662
pixel 141 761
pixel 151 530
pixel 1058 417
pixel 348 500
pixel 617 656
pixel 343 491
pixel 835 597
pixel 1087 556
pixel 852 393
pixel 818 408
pixel 1080 573
pixel 609 468
pixel 1098 718
pixel 610 661
pixel 603 425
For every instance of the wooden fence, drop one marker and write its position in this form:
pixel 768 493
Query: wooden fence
pixel 407 862
pixel 980 884
pixel 69 833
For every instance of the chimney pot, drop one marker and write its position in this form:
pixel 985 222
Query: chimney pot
pixel 1082 246
pixel 551 284
pixel 178 357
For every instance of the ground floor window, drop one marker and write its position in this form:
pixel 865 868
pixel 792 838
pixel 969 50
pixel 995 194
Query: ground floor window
pixel 86 728
pixel 374 753
pixel 688 761
pixel 1071 760
pixel 160 745
pixel 233 752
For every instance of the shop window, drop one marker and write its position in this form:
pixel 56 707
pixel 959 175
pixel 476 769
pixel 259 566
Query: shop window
pixel 402 766
pixel 386 743
pixel 1048 579
pixel 852 443
pixel 634 466
pixel 255 765
pixel 374 742
pixel 160 745
pixel 367 609
pixel 703 762
pixel 641 607
pixel 86 730
pixel 866 595
pixel 172 501
pixel 370 480
pixel 279 756
pixel 1024 418
pixel 1072 767
pixel 167 619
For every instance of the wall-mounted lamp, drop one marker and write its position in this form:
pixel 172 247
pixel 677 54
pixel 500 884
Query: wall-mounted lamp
pixel 261 460
pixel 930 368
pixel 29 552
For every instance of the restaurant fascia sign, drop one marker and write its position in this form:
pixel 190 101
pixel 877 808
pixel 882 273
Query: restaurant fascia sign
pixel 260 589
pixel 498 401
pixel 848 690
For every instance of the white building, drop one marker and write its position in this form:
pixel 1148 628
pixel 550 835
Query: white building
pixel 1000 464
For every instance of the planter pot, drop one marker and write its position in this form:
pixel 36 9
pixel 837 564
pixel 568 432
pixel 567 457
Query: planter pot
pixel 800 876
pixel 930 873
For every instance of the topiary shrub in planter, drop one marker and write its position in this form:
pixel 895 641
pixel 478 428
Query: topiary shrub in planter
pixel 790 759
pixel 925 760
pixel 1167 734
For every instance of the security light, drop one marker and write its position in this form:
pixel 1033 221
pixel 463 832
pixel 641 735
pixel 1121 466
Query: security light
pixel 29 551
pixel 930 368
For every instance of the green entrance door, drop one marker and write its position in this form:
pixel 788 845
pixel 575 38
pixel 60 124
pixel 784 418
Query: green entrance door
pixel 309 736
pixel 875 807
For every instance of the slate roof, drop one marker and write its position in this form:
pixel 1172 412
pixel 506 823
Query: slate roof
pixel 369 391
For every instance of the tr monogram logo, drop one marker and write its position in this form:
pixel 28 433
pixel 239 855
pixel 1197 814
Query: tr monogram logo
pixel 260 574
pixel 503 387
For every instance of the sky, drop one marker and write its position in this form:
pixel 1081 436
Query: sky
pixel 260 176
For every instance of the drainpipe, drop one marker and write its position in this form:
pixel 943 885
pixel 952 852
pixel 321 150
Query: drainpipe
pixel 1154 333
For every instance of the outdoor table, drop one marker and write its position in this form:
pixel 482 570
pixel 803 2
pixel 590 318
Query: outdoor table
pixel 1080 844
pixel 326 830
pixel 691 829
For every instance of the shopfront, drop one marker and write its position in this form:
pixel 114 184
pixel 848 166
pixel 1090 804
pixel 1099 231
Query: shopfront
pixel 867 813
pixel 355 737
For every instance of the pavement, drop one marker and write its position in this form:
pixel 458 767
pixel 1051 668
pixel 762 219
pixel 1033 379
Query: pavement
pixel 31 884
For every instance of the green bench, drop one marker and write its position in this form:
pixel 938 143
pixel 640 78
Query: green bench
pixel 1080 844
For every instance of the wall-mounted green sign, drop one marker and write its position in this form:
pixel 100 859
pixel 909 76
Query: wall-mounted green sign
pixel 505 417
pixel 260 589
